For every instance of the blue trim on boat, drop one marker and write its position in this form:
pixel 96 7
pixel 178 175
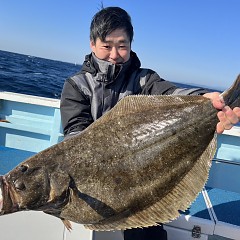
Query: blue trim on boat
pixel 11 157
pixel 226 205
pixel 198 208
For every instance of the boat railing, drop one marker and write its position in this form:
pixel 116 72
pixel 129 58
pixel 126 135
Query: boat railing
pixel 28 122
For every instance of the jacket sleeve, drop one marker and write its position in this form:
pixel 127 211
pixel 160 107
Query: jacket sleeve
pixel 75 109
pixel 156 85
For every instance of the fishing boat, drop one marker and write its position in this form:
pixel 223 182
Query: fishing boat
pixel 29 124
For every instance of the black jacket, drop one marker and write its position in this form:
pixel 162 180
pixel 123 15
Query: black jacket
pixel 99 85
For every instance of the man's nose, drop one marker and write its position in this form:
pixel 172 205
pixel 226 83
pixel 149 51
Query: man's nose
pixel 114 53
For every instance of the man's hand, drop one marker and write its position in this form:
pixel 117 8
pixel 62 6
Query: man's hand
pixel 227 116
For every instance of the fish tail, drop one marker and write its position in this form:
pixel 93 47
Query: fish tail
pixel 231 96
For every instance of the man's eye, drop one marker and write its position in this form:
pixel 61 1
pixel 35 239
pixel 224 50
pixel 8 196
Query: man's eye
pixel 106 47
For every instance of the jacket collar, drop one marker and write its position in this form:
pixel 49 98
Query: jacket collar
pixel 105 71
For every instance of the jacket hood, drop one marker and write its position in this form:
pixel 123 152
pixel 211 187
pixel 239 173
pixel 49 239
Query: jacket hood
pixel 105 71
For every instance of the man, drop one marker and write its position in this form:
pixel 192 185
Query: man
pixel 111 72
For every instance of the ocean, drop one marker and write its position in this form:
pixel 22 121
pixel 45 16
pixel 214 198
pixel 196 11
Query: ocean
pixel 36 76
pixel 33 75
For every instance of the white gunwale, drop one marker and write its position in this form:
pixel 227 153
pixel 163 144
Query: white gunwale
pixel 24 98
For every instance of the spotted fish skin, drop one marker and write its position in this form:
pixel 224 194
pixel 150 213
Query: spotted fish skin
pixel 135 166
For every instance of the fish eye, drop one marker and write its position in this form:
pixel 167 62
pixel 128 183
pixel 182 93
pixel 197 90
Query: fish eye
pixel 19 186
pixel 23 168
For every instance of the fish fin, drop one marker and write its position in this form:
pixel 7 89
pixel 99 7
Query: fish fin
pixel 231 95
pixel 59 184
pixel 178 199
pixel 67 224
pixel 139 103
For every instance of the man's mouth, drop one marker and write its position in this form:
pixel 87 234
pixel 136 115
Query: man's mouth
pixel 118 61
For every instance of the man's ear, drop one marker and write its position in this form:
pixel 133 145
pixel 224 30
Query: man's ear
pixel 92 46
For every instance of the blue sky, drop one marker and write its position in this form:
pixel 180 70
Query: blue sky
pixel 188 41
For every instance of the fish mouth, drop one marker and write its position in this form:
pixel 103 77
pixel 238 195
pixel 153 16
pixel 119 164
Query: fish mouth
pixel 1 194
pixel 7 198
pixel 1 199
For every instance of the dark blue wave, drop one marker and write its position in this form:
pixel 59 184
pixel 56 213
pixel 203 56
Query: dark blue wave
pixel 33 75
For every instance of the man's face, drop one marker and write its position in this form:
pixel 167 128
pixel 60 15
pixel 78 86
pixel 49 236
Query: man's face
pixel 115 49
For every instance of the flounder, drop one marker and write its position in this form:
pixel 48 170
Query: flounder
pixel 136 166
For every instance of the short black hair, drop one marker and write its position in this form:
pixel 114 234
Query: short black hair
pixel 109 19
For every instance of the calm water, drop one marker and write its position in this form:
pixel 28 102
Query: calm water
pixel 35 76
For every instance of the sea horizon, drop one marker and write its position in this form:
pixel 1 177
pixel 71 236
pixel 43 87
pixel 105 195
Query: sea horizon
pixel 33 75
